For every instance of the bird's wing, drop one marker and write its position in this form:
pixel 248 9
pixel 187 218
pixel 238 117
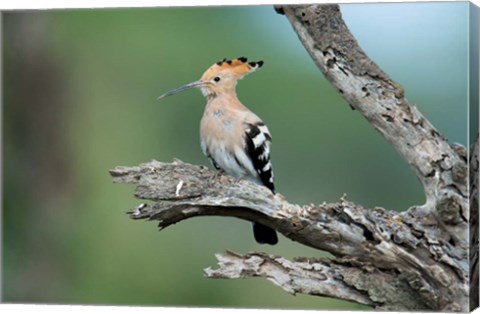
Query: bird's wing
pixel 257 147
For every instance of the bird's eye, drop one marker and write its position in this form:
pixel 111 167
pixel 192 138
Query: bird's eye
pixel 216 79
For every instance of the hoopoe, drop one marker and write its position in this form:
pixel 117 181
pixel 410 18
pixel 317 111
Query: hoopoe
pixel 231 136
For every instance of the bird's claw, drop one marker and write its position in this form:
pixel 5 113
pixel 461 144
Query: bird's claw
pixel 217 174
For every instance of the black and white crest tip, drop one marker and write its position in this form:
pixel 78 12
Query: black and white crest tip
pixel 257 145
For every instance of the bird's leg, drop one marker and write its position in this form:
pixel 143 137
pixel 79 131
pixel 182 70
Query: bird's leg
pixel 220 172
pixel 217 174
pixel 240 178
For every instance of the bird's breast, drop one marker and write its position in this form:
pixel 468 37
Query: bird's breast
pixel 219 125
pixel 222 138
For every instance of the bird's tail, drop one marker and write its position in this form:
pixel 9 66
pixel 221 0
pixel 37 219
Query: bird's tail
pixel 264 234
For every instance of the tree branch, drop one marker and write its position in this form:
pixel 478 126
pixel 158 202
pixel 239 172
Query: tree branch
pixel 378 238
pixel 293 277
pixel 183 191
pixel 442 169
pixel 320 277
pixel 414 260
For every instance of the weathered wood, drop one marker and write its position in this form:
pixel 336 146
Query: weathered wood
pixel 323 277
pixel 441 169
pixel 414 260
pixel 474 227
pixel 375 241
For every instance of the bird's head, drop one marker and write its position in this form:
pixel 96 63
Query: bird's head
pixel 221 77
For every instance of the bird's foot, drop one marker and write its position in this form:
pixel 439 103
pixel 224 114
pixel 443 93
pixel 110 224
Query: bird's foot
pixel 217 174
pixel 238 179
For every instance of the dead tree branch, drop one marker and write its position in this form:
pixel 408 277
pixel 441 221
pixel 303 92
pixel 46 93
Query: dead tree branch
pixel 382 102
pixel 322 277
pixel 381 245
pixel 414 260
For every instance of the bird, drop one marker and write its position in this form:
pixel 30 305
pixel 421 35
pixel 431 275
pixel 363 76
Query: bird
pixel 235 139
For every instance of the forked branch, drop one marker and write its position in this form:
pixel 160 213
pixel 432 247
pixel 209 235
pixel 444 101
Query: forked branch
pixel 381 245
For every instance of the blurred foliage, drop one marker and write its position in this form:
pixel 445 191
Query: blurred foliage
pixel 66 237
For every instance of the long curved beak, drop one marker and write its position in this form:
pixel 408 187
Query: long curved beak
pixel 183 88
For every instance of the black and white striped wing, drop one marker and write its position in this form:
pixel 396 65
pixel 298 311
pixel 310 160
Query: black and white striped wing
pixel 258 141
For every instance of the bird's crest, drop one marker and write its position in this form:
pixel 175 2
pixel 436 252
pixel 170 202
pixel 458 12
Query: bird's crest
pixel 239 67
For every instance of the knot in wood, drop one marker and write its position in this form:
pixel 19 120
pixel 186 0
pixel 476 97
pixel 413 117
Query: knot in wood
pixel 450 210
pixel 296 223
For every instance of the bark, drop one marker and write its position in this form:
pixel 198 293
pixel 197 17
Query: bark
pixel 335 278
pixel 414 260
pixel 474 293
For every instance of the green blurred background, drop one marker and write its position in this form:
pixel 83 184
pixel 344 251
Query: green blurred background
pixel 80 89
